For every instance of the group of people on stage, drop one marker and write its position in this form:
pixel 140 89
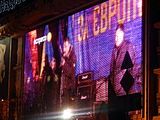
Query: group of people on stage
pixel 118 69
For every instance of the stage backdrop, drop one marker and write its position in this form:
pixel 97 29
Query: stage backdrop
pixel 92 33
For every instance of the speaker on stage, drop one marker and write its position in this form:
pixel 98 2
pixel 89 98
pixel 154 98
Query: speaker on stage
pixel 85 100
pixel 85 97
pixel 84 92
pixel 85 78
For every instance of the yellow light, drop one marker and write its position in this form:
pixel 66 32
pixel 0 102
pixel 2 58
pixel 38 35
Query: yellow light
pixel 49 36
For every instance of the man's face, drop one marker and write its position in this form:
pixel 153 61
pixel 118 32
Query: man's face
pixel 119 37
pixel 66 47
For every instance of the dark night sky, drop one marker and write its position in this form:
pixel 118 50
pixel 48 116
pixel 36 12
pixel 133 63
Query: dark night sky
pixel 154 41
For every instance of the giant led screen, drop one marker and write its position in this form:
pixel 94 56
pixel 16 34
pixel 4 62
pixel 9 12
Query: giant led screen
pixel 103 43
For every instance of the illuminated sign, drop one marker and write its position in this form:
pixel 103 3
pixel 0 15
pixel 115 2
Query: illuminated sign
pixel 44 38
pixel 104 15
pixel 39 40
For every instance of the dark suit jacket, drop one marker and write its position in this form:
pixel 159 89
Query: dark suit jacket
pixel 68 71
pixel 116 72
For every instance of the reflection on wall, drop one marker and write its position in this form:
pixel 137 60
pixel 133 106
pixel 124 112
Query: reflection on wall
pixel 4 67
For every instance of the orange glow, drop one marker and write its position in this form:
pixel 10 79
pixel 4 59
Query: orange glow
pixel 104 17
pixel 123 7
pixel 134 9
pixel 80 23
pixel 95 20
pixel 128 10
pixel 112 10
pixel 83 28
pixel 140 8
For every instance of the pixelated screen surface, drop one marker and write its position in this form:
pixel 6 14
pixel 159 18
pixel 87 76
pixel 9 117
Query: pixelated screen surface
pixel 89 40
pixel 92 33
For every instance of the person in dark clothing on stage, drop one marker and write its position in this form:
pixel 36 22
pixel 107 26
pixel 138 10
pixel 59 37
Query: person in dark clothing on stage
pixel 68 81
pixel 123 75
pixel 123 58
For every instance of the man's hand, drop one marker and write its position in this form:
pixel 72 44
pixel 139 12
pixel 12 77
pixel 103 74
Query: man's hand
pixel 62 61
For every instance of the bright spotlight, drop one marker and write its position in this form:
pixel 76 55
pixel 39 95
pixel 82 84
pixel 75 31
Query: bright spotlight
pixel 67 114
pixel 49 36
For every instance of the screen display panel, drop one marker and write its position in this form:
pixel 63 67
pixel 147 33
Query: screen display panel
pixel 103 41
